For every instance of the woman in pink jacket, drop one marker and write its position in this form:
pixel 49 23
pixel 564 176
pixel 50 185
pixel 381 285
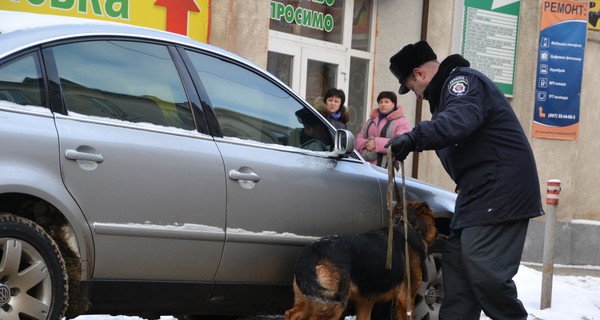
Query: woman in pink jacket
pixel 386 121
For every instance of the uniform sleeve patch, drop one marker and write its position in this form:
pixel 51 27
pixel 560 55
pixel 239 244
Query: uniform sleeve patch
pixel 458 86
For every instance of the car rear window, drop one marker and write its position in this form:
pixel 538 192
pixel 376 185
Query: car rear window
pixel 21 81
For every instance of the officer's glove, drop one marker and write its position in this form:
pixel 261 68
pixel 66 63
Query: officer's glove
pixel 402 145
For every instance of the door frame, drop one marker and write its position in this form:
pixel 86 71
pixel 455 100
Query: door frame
pixel 327 56
pixel 301 53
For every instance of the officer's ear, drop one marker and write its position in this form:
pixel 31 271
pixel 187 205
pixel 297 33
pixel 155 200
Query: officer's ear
pixel 419 72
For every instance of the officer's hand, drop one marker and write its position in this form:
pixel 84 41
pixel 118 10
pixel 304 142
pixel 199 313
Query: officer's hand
pixel 402 145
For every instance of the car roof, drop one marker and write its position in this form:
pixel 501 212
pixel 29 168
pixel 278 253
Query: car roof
pixel 21 30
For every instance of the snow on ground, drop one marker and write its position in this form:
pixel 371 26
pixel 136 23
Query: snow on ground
pixel 573 298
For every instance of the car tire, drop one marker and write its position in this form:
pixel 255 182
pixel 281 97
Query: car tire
pixel 33 276
pixel 429 297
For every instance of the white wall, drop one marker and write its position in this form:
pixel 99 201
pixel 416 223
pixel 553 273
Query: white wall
pixel 398 23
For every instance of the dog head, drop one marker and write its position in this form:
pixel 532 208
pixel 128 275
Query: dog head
pixel 420 218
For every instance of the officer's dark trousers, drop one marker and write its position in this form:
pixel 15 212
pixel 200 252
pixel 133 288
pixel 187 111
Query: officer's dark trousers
pixel 478 265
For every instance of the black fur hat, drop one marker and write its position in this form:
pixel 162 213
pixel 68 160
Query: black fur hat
pixel 408 58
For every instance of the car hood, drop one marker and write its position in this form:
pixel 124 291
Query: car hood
pixel 440 200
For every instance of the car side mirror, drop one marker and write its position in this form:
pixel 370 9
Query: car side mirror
pixel 344 143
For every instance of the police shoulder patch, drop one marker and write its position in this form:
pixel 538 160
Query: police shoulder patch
pixel 458 86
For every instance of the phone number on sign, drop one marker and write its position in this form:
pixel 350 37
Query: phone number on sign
pixel 562 116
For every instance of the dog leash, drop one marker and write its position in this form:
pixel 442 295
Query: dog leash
pixel 390 203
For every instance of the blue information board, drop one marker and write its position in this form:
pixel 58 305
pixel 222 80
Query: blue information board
pixel 559 70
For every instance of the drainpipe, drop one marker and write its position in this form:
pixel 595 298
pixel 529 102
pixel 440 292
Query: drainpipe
pixel 419 109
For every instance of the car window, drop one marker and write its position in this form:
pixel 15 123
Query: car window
pixel 249 106
pixel 21 81
pixel 124 80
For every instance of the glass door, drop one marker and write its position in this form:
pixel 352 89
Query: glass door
pixel 321 70
pixel 283 61
pixel 308 71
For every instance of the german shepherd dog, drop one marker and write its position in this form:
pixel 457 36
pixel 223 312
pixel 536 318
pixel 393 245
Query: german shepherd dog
pixel 341 269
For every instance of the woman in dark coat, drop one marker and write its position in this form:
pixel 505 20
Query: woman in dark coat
pixel 333 108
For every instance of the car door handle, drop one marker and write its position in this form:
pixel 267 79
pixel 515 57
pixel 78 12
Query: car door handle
pixel 236 175
pixel 78 155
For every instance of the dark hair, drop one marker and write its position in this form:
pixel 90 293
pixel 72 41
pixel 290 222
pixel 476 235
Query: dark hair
pixel 388 94
pixel 333 92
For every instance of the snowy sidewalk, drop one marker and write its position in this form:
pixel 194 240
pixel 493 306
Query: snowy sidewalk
pixel 575 294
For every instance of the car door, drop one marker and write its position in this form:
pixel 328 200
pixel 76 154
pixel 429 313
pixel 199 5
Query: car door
pixel 280 195
pixel 150 185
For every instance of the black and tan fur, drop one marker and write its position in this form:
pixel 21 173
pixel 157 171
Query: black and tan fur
pixel 337 270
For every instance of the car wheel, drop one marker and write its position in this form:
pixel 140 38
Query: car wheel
pixel 429 297
pixel 33 277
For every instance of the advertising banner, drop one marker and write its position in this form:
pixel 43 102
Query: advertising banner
pixel 186 17
pixel 559 69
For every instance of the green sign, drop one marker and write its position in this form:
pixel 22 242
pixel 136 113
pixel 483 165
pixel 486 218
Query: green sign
pixel 489 39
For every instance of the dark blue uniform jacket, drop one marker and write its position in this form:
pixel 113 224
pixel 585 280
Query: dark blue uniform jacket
pixel 482 146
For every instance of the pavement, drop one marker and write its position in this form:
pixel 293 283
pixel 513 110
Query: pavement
pixel 567 270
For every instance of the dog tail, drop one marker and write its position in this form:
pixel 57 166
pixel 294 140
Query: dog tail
pixel 322 280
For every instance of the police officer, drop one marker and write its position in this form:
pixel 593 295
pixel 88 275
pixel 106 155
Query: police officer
pixel 482 146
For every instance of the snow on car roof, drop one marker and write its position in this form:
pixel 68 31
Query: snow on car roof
pixel 11 21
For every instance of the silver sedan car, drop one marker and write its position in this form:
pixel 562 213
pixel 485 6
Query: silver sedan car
pixel 144 173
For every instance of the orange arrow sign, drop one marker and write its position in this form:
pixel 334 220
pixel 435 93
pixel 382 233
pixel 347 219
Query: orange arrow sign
pixel 177 14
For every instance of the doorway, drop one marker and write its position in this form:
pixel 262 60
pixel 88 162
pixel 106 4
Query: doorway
pixel 333 49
